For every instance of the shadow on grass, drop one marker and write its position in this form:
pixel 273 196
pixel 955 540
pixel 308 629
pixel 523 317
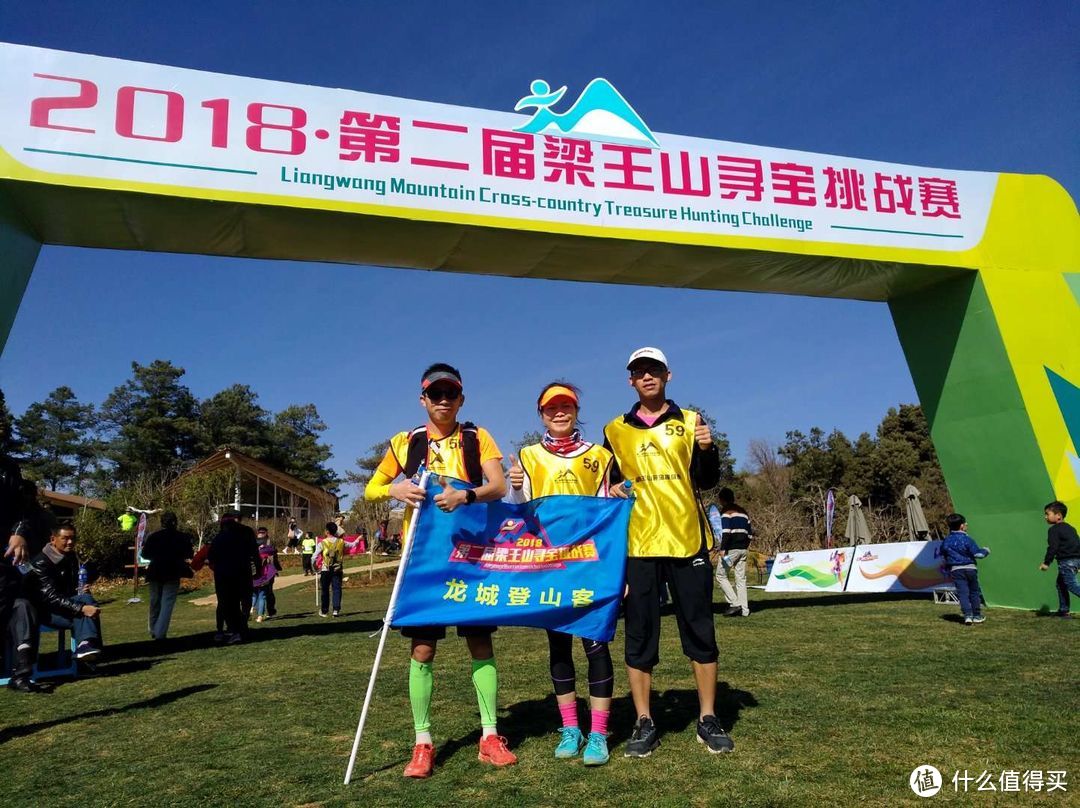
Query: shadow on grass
pixel 843 599
pixel 10 733
pixel 256 633
pixel 673 711
pixel 953 617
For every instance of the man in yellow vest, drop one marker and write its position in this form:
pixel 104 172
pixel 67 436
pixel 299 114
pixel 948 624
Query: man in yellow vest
pixel 466 452
pixel 307 550
pixel 669 456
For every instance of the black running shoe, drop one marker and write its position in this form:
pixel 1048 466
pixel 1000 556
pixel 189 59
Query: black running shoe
pixel 710 733
pixel 643 740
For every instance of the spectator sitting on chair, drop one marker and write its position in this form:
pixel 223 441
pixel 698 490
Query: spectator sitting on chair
pixel 51 588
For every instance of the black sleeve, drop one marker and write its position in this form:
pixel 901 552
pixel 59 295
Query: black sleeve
pixel 150 546
pixel 1052 542
pixel 705 467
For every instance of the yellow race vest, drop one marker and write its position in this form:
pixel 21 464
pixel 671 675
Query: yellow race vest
pixel 667 519
pixel 582 474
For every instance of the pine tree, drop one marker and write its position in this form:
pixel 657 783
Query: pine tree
pixel 234 418
pixel 8 444
pixel 295 446
pixel 152 421
pixel 55 440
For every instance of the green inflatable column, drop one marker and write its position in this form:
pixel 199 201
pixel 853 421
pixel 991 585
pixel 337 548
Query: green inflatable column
pixel 982 431
pixel 19 248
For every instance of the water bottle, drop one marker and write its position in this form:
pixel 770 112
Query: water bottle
pixel 84 579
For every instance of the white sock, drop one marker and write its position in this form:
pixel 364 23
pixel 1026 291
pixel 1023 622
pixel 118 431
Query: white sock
pixel 23 646
pixel 423 737
pixel 486 731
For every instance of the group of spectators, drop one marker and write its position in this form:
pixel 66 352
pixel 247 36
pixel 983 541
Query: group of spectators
pixel 246 564
pixel 41 581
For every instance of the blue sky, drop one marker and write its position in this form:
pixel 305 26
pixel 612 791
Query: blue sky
pixel 985 86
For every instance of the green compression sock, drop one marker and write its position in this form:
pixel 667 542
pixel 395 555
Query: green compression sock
pixel 420 686
pixel 486 681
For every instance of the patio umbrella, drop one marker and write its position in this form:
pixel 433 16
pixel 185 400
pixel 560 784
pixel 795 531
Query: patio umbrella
pixel 917 527
pixel 857 530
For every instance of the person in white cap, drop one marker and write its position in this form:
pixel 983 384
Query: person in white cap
pixel 669 455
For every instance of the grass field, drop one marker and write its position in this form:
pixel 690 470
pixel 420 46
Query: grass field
pixel 830 701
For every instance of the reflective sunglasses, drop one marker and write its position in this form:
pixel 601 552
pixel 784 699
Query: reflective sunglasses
pixel 442 394
pixel 656 371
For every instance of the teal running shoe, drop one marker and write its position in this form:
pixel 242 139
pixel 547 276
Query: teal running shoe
pixel 570 744
pixel 596 752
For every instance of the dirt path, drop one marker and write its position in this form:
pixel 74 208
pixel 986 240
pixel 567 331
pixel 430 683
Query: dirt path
pixel 283 581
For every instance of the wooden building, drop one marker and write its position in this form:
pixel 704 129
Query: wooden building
pixel 265 494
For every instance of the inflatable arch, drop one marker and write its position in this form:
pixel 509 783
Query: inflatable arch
pixel 980 270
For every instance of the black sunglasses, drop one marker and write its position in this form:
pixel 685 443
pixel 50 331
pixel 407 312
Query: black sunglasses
pixel 656 371
pixel 442 394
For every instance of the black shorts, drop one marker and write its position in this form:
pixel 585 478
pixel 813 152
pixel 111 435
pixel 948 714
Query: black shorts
pixel 690 581
pixel 439 632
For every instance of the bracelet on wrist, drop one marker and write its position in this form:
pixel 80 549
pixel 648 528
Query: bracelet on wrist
pixel 470 496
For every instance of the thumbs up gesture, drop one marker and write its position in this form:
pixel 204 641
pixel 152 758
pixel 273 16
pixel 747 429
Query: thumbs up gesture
pixel 517 473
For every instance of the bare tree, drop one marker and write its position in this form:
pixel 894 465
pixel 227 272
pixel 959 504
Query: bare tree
pixel 199 498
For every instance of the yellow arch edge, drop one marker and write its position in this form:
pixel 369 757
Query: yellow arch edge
pixel 1032 223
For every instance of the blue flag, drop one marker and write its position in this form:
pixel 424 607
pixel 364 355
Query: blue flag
pixel 556 562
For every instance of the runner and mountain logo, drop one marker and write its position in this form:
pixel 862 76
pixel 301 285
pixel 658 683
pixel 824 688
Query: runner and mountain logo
pixel 647 448
pixel 600 113
pixel 566 477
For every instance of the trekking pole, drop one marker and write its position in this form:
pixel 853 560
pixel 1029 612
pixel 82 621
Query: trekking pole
pixel 386 627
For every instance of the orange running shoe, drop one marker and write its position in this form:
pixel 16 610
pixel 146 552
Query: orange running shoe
pixel 493 750
pixel 423 761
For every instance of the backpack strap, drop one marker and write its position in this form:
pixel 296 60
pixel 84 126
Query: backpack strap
pixel 417 452
pixel 470 450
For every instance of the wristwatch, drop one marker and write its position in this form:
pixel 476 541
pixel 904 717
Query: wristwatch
pixel 470 496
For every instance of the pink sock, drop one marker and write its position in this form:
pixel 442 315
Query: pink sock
pixel 599 721
pixel 569 714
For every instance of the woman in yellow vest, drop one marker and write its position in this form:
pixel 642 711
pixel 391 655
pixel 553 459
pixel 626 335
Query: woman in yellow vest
pixel 564 463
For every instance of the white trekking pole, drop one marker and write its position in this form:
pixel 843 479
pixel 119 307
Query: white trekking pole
pixel 406 553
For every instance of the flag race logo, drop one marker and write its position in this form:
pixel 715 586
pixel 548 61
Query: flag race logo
pixel 556 562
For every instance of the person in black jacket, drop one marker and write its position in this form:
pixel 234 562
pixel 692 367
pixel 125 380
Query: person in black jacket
pixel 17 498
pixel 234 558
pixel 169 552
pixel 1062 544
pixel 52 596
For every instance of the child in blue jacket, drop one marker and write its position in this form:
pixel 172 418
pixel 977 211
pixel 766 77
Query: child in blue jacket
pixel 960 553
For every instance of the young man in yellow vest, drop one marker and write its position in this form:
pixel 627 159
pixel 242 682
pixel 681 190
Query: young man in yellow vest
pixel 465 452
pixel 669 456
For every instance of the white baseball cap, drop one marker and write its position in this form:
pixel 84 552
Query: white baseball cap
pixel 647 353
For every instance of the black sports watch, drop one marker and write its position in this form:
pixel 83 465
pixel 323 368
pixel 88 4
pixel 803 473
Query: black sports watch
pixel 470 496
